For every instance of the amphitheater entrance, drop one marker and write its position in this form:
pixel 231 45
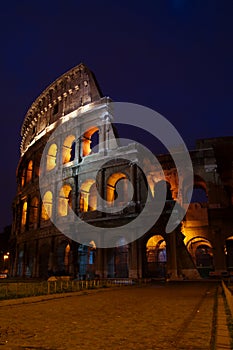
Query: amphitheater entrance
pixel 201 251
pixel 155 257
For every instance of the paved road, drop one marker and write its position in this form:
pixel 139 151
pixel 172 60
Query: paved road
pixel 165 316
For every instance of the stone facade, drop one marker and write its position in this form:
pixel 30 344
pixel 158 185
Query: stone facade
pixel 201 244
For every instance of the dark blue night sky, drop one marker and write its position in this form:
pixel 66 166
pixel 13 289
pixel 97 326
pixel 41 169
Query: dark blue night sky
pixel 174 56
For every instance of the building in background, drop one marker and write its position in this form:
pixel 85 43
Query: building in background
pixel 203 242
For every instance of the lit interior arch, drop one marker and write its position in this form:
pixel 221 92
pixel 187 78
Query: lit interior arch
pixel 24 214
pixel 47 206
pixel 29 171
pixel 87 140
pixel 88 196
pixel 201 251
pixel 68 149
pixel 64 201
pixel 156 249
pixel 112 194
pixel 51 157
pixel 33 216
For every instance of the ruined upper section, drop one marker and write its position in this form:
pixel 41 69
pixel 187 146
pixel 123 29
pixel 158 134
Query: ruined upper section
pixel 73 89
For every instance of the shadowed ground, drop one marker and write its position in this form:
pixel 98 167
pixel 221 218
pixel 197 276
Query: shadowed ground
pixel 160 316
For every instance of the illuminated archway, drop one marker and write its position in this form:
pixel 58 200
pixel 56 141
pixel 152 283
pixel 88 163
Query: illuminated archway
pixel 64 201
pixel 122 191
pixel 33 216
pixel 88 196
pixel 51 157
pixel 47 206
pixel 156 257
pixel 24 215
pixel 23 173
pixel 201 251
pixel 89 141
pixel 86 260
pixel 68 149
pixel 29 171
pixel 63 258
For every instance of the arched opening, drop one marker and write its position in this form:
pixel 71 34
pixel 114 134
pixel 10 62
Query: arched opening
pixel 88 196
pixel 229 253
pixel 51 157
pixel 23 177
pixel 90 141
pixel 68 149
pixel 63 258
pixel 29 171
pixel 47 206
pixel 156 257
pixel 33 216
pixel 201 251
pixel 65 200
pixel 24 216
pixel 197 194
pixel 118 191
pixel 86 260
pixel 117 260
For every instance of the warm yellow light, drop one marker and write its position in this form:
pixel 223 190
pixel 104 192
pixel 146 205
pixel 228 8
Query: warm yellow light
pixel 5 256
pixel 64 197
pixel 67 147
pixel 51 157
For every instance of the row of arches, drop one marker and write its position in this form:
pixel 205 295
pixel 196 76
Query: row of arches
pixel 117 188
pixel 88 144
pixel 200 249
pixel 31 208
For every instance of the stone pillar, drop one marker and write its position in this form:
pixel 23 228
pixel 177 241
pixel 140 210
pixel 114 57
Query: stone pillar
pixel 219 254
pixel 133 260
pixel 171 256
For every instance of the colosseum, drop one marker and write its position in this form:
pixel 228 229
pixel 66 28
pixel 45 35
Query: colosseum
pixel 200 246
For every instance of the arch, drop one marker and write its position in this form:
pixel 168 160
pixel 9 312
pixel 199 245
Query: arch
pixel 51 157
pixel 88 196
pixel 86 260
pixel 63 258
pixel 64 200
pixel 23 173
pixel 68 149
pixel 199 192
pixel 156 256
pixel 29 171
pixel 33 215
pixel 24 215
pixel 47 206
pixel 201 251
pixel 113 192
pixel 90 140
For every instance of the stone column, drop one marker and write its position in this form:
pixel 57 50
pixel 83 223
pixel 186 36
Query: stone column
pixel 171 256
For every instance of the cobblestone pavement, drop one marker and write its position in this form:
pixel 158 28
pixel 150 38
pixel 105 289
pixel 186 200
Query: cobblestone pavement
pixel 160 316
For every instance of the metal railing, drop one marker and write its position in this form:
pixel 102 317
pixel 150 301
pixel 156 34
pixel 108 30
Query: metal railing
pixel 11 290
